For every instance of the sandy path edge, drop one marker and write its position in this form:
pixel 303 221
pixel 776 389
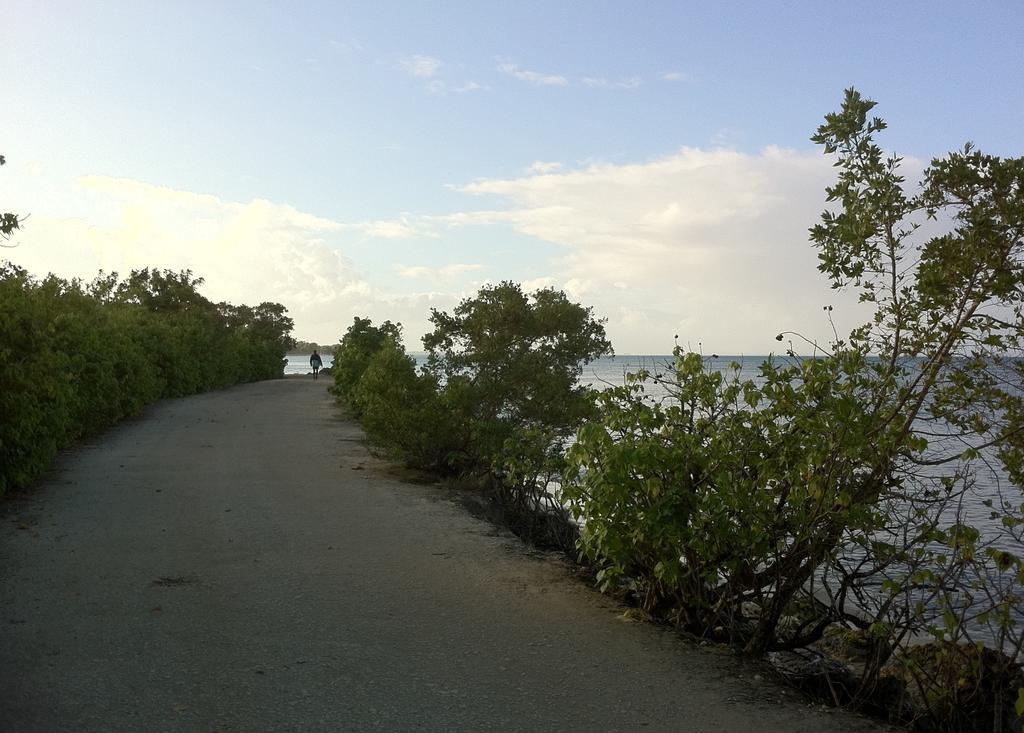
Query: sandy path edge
pixel 237 561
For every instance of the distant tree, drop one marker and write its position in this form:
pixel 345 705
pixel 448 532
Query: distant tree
pixel 163 290
pixel 306 347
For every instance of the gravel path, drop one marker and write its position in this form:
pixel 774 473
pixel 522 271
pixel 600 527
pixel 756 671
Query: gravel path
pixel 236 561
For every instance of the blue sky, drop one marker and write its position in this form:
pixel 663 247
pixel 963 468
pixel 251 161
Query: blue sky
pixel 384 158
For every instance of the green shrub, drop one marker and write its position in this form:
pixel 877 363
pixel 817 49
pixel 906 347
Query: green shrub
pixel 497 400
pixel 509 366
pixel 403 413
pixel 75 359
pixel 352 356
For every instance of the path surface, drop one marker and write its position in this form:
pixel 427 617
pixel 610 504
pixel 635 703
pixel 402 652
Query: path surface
pixel 237 562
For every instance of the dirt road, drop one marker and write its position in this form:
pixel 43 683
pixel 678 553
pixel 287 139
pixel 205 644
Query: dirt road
pixel 237 562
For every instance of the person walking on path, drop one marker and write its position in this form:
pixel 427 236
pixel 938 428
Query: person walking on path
pixel 316 362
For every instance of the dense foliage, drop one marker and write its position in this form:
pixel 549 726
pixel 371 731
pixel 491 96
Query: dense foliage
pixel 497 397
pixel 352 356
pixel 832 488
pixel 404 412
pixel 511 365
pixel 75 357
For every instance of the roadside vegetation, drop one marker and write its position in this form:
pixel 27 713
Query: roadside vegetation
pixel 495 402
pixel 76 358
pixel 816 514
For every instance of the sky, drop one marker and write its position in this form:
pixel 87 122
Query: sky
pixel 380 159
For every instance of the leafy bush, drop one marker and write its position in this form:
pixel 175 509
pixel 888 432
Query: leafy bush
pixel 403 413
pixel 961 688
pixel 75 359
pixel 838 481
pixel 352 356
pixel 497 399
pixel 510 363
pixel 509 366
pixel 711 499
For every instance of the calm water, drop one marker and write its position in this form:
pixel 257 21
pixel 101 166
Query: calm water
pixel 609 370
pixel 299 363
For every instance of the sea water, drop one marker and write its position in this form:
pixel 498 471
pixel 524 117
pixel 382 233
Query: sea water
pixel 299 363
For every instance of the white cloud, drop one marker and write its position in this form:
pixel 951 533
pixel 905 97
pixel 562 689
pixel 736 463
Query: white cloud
pixel 601 83
pixel 436 86
pixel 707 243
pixel 422 67
pixel 401 228
pixel 427 67
pixel 470 86
pixel 542 167
pixel 533 77
pixel 131 195
pixel 710 244
pixel 246 252
pixel 577 290
pixel 539 283
pixel 674 76
pixel 446 272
